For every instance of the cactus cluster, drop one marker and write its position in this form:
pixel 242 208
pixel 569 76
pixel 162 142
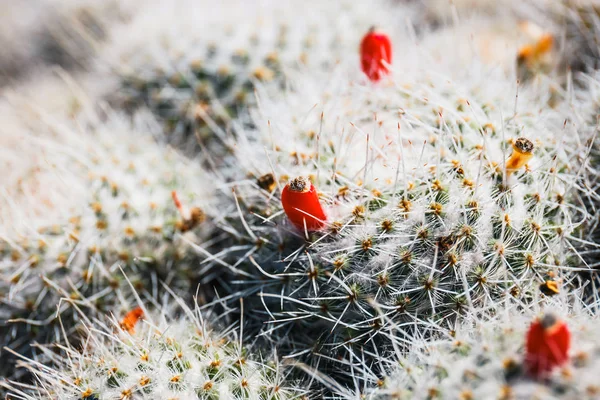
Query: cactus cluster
pixel 394 216
pixel 489 358
pixel 125 224
pixel 157 356
pixel 439 200
pixel 195 99
pixel 197 83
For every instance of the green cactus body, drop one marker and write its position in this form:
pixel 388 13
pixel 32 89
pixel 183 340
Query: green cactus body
pixel 425 223
pixel 125 228
pixel 183 358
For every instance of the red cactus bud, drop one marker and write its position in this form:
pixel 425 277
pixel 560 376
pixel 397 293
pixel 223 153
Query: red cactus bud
pixel 375 54
pixel 301 204
pixel 548 341
pixel 178 204
pixel 131 318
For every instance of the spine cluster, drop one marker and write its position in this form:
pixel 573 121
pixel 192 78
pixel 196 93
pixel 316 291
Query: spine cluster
pixel 149 356
pixel 462 220
pixel 512 355
pixel 126 235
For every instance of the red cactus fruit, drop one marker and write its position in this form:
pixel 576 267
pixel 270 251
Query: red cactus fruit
pixel 131 318
pixel 375 54
pixel 548 341
pixel 301 204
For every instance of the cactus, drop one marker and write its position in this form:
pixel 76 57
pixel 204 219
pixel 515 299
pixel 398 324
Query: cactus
pixel 187 356
pixel 122 217
pixel 364 219
pixel 487 358
pixel 186 98
pixel 448 213
pixel 197 83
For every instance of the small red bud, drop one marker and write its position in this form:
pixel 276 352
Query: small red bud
pixel 375 54
pixel 548 342
pixel 178 204
pixel 301 204
pixel 131 318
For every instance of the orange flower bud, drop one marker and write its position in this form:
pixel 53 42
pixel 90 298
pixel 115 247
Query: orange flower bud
pixel 131 318
pixel 522 153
